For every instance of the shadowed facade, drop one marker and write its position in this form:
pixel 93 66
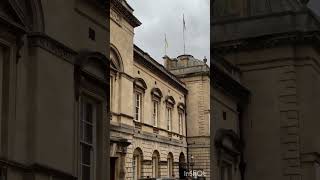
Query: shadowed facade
pixel 274 45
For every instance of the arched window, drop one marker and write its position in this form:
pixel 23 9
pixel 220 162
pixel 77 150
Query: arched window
pixel 92 111
pixel 116 66
pixel 170 102
pixel 182 166
pixel 156 99
pixel 116 61
pixel 155 164
pixel 181 116
pixel 139 89
pixel 137 163
pixel 170 164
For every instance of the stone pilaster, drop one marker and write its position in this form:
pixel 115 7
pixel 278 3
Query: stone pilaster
pixel 289 114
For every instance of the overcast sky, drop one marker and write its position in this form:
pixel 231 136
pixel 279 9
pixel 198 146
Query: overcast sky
pixel 160 17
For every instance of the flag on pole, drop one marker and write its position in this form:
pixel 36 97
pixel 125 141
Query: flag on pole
pixel 184 23
pixel 183 29
pixel 166 45
pixel 165 41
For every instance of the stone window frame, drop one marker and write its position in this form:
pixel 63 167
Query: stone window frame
pixel 170 102
pixel 139 87
pixel 116 68
pixel 137 157
pixel 170 163
pixel 91 71
pixel 181 111
pixel 155 164
pixel 156 96
pixel 92 144
pixel 11 55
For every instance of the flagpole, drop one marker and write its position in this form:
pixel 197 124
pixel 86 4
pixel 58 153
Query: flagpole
pixel 184 42
pixel 165 45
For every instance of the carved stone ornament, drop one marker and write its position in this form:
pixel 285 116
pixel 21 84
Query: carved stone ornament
pixel 116 17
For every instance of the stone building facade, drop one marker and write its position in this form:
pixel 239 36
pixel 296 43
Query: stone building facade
pixel 195 74
pixel 148 104
pixel 52 84
pixel 275 47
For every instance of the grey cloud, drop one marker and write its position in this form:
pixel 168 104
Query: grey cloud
pixel 165 17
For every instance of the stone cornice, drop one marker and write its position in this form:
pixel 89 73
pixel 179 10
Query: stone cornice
pixel 117 6
pixel 13 26
pixel 268 41
pixel 274 29
pixel 36 168
pixel 158 69
pixel 53 46
pixel 228 85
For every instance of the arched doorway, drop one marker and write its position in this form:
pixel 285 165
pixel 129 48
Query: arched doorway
pixel 182 166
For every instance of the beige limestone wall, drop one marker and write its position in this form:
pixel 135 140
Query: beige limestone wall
pixel 198 105
pixel 148 147
pixel 153 81
pixel 198 121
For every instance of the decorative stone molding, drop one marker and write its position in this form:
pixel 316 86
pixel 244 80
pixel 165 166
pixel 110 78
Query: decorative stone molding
pixel 49 44
pixel 156 92
pixel 140 84
pixel 312 37
pixel 116 18
pixel 170 101
pixel 117 6
pixel 145 60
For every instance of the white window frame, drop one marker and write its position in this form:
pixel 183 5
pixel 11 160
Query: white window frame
pixel 83 141
pixel 155 165
pixel 181 114
pixel 138 115
pixel 169 118
pixel 135 167
pixel 155 112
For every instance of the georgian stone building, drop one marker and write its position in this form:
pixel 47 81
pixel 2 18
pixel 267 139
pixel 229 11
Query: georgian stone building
pixel 148 107
pixel 273 46
pixel 53 90
pixel 195 74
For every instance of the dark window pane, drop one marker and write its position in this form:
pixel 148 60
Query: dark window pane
pixel 88 133
pixel 86 154
pixel 81 131
pixel 89 110
pixel 86 173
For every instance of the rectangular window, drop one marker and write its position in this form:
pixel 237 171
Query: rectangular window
pixel 87 140
pixel 155 113
pixel 181 123
pixel 138 107
pixel 169 118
